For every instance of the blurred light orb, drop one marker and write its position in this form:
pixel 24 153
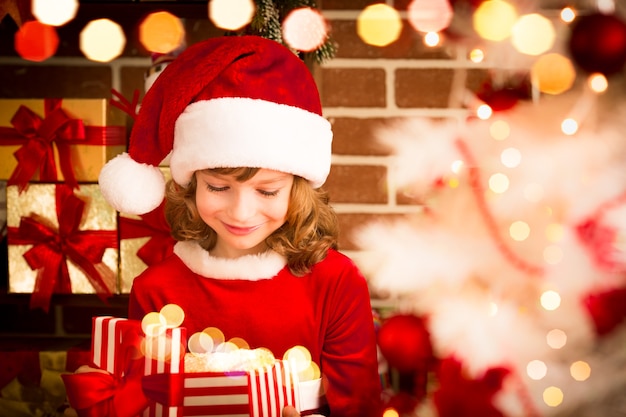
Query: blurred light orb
pixel 553 74
pixel 429 15
pixel 36 41
pixel 161 32
pixel 305 29
pixel 552 396
pixel 511 157
pixel 200 343
pixel 494 19
pixel 580 370
pixel 173 315
pixel 556 338
pixel 231 14
pixel 498 183
pixel 102 40
pixel 555 232
pixel 533 34
pixel 550 300
pixel 391 412
pixel 476 55
pixel 536 369
pixel 54 12
pixel 568 14
pixel 432 39
pixel 379 24
pixel 597 82
pixel 500 130
pixel 484 112
pixel 457 166
pixel 569 126
pixel 519 230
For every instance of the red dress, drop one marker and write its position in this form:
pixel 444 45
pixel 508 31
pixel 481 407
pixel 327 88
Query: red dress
pixel 256 298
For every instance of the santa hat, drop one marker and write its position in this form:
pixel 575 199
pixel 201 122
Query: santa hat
pixel 234 101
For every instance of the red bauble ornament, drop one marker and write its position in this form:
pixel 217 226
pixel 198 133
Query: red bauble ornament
pixel 405 342
pixel 598 43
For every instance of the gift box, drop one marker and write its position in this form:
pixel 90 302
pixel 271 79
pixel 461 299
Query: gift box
pixel 52 140
pixel 61 240
pixel 172 391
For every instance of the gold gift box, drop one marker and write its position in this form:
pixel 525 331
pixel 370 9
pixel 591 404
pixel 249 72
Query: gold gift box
pixel 40 199
pixel 87 160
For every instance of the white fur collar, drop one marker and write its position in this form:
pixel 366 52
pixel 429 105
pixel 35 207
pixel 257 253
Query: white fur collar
pixel 249 267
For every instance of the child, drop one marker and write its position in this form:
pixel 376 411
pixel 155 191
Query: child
pixel 240 123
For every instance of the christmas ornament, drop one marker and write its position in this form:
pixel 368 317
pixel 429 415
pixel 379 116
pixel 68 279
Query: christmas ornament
pixel 405 343
pixel 597 43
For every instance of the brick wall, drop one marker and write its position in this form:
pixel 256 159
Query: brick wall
pixel 362 88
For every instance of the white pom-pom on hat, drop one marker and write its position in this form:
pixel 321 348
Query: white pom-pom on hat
pixel 131 187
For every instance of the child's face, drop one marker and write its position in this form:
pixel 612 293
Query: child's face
pixel 243 214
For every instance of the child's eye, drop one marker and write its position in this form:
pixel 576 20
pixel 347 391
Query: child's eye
pixel 268 193
pixel 216 189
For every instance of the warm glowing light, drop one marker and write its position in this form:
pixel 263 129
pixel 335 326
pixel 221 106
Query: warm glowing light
pixel 390 412
pixel 161 32
pixel 552 396
pixel 533 34
pixel 484 112
pixel 457 166
pixel 553 73
pixel 310 373
pixel 432 39
pixel 102 40
pixel 500 130
pixel 453 182
pixel 494 19
pixel 536 370
pixel 298 357
pixel 493 309
pixel 173 315
pixel 200 343
pixel 597 82
pixel 519 230
pixel 569 126
pixel 429 15
pixel 533 192
pixel 239 342
pixel 511 157
pixel 305 29
pixel 216 335
pixel 556 338
pixel 35 41
pixel 550 300
pixel 498 183
pixel 379 24
pixel 54 12
pixel 580 370
pixel 555 232
pixel 477 55
pixel 568 14
pixel 231 14
pixel 153 324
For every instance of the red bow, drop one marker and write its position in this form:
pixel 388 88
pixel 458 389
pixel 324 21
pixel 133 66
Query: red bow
pixel 152 224
pixel 53 248
pixel 40 134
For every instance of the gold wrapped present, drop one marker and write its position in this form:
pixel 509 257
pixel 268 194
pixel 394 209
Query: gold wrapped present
pixel 53 140
pixel 61 240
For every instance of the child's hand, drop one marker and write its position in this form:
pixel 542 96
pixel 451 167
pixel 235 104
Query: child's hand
pixel 70 412
pixel 290 411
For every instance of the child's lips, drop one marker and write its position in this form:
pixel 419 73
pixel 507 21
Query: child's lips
pixel 240 231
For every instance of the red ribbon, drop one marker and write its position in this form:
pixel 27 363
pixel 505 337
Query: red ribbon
pixel 37 136
pixel 152 224
pixel 52 249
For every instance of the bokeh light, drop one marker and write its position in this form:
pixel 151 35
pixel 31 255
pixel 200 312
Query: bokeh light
pixel 568 14
pixel 569 126
pixel 580 370
pixel 519 230
pixel 102 40
pixel 35 41
pixel 305 29
pixel 552 396
pixel 200 343
pixel 54 12
pixel 550 300
pixel 498 183
pixel 484 112
pixel 231 14
pixel 161 32
pixel 556 338
pixel 239 342
pixel 555 232
pixel 391 412
pixel 173 315
pixel 298 357
pixel 597 82
pixel 477 55
pixel 553 73
pixel 429 15
pixel 533 34
pixel 536 369
pixel 379 25
pixel 511 157
pixel 432 39
pixel 500 130
pixel 153 324
pixel 494 19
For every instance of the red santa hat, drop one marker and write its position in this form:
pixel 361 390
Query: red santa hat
pixel 234 101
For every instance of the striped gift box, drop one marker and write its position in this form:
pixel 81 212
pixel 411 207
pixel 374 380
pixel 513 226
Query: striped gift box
pixel 114 342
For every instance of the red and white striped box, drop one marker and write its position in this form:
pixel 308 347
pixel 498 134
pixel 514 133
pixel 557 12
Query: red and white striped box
pixel 114 342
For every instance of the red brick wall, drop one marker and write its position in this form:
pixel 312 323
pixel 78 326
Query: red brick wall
pixel 362 88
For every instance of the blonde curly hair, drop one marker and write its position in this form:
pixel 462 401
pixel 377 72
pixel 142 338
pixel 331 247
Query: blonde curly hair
pixel 310 229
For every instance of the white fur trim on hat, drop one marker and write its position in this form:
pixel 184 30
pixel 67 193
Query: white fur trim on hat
pixel 131 187
pixel 245 132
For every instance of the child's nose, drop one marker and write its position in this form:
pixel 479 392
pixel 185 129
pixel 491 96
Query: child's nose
pixel 242 207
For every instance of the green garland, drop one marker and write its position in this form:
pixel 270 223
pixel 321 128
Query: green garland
pixel 268 19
